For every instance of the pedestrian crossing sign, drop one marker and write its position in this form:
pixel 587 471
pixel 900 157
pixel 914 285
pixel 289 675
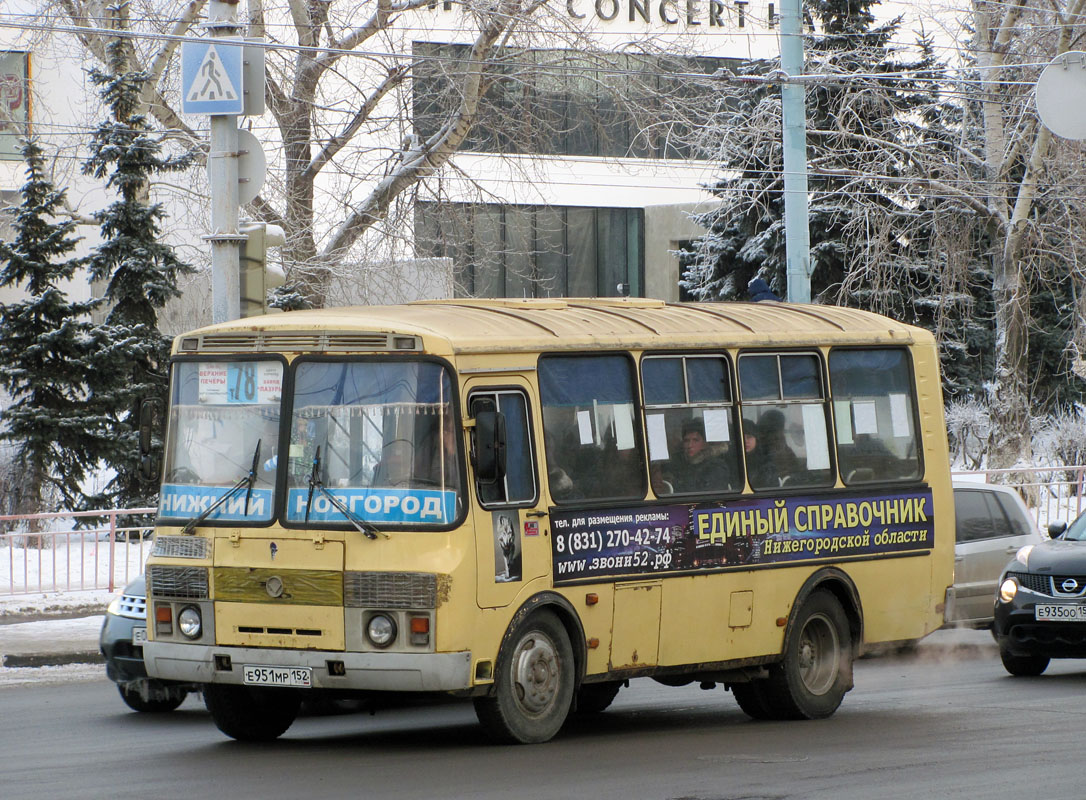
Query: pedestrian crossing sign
pixel 211 81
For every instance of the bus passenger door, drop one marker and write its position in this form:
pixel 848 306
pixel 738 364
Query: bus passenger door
pixel 511 545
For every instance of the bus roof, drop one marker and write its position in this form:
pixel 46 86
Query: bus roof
pixel 524 325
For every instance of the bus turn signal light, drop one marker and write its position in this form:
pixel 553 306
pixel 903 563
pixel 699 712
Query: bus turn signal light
pixel 163 618
pixel 420 630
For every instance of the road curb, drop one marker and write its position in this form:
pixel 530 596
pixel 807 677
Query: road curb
pixel 52 659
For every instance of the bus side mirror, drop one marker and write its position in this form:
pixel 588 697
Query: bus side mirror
pixel 147 470
pixel 488 453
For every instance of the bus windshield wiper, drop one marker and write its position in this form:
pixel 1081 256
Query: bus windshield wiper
pixel 367 529
pixel 248 480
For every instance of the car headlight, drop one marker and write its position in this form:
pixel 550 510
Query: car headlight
pixel 381 630
pixel 1022 556
pixel 189 622
pixel 114 606
pixel 1008 589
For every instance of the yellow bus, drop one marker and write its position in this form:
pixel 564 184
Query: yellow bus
pixel 531 502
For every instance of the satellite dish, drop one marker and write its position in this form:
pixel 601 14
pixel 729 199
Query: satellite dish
pixel 1061 95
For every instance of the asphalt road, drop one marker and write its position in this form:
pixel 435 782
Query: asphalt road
pixel 944 722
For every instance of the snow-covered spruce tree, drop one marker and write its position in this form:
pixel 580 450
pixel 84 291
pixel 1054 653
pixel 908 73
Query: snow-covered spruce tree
pixel 139 271
pixel 878 234
pixel 45 341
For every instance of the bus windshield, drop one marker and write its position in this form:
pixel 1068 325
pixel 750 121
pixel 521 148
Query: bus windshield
pixel 223 415
pixel 380 436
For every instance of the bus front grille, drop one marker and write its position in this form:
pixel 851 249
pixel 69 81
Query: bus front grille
pixel 390 590
pixel 181 583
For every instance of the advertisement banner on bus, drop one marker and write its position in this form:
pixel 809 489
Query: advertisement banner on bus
pixel 656 539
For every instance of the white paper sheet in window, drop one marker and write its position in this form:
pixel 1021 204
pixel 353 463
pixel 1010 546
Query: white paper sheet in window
pixel 716 425
pixel 899 415
pixel 584 426
pixel 657 437
pixel 814 435
pixel 864 416
pixel 842 413
pixel 624 433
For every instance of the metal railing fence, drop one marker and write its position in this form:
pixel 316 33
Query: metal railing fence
pixel 50 553
pixel 1052 494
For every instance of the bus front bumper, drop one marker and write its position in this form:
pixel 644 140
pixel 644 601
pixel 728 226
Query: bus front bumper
pixel 390 672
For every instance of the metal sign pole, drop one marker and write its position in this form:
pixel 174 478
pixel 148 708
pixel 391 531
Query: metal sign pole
pixel 797 233
pixel 223 173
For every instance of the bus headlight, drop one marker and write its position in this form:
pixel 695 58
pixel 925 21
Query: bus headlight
pixel 189 622
pixel 1008 589
pixel 381 630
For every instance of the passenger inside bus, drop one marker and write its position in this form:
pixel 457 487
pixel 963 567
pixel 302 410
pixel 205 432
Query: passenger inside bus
pixel 762 471
pixel 697 468
pixel 770 431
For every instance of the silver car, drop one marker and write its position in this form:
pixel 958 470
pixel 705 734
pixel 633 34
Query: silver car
pixel 992 522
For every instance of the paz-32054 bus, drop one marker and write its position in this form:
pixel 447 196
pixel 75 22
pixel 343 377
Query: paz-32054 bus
pixel 530 502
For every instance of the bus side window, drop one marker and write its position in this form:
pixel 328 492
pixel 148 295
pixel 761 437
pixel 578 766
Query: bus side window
pixel 784 400
pixel 690 419
pixel 874 411
pixel 594 449
pixel 518 486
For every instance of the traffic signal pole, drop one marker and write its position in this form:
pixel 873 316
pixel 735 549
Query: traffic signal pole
pixel 797 234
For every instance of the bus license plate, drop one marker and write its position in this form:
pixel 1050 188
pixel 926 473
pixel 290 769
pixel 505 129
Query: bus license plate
pixel 139 636
pixel 1053 612
pixel 277 676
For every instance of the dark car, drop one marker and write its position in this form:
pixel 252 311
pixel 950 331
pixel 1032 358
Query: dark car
pixel 123 632
pixel 1040 608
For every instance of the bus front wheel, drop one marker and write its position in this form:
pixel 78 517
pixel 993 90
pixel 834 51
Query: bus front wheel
pixel 816 671
pixel 533 684
pixel 250 714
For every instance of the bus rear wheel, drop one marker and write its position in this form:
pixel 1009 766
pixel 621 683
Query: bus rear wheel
pixel 533 684
pixel 816 671
pixel 755 700
pixel 250 714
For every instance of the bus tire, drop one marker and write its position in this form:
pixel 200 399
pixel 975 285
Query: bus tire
pixel 592 698
pixel 533 684
pixel 816 671
pixel 754 700
pixel 251 714
pixel 1022 666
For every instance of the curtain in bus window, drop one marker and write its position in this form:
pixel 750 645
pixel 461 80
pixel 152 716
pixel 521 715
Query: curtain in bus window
pixel 758 378
pixel 593 448
pixel 874 412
